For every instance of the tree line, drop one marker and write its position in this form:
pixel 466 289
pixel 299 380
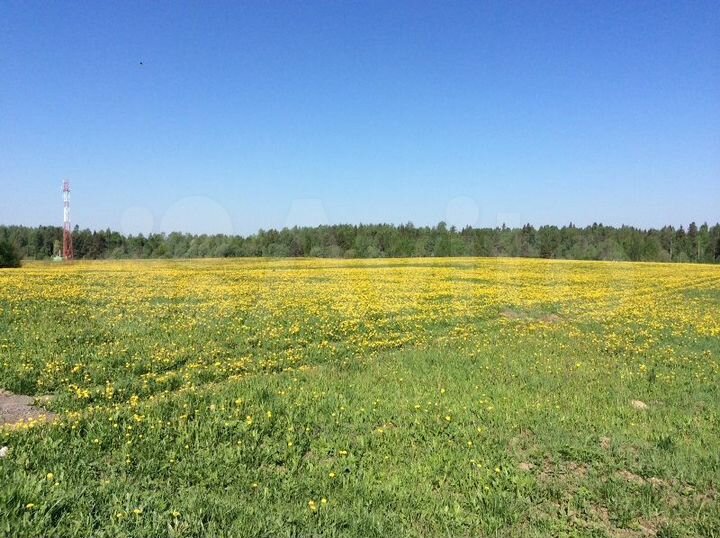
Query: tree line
pixel 595 242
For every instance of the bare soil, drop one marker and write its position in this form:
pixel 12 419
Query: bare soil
pixel 17 408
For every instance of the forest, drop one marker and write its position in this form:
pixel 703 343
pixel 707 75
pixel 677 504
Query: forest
pixel 596 242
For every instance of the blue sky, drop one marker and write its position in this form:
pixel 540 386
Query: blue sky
pixel 248 115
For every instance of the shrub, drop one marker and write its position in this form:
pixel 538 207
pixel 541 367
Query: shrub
pixel 9 256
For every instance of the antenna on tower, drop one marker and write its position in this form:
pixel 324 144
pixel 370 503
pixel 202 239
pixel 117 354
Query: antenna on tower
pixel 67 251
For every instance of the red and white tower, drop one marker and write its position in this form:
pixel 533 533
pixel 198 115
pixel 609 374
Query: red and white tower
pixel 67 231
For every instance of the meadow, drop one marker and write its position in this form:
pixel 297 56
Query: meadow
pixel 362 398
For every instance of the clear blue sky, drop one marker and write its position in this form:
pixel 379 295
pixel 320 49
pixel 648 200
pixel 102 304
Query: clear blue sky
pixel 247 115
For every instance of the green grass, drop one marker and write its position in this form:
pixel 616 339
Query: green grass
pixel 434 441
pixel 459 398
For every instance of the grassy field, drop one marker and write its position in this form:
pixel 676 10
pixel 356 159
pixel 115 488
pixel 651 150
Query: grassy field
pixel 418 397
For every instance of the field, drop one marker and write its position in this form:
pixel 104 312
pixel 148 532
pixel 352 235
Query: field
pixel 383 398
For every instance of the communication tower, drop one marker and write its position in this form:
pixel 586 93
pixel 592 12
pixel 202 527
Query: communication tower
pixel 67 251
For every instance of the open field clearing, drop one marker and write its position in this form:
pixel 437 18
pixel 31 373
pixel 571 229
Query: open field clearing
pixel 414 397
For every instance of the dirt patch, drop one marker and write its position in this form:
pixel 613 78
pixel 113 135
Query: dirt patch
pixel 524 439
pixel 512 314
pixel 516 315
pixel 561 471
pixel 578 470
pixel 18 409
pixel 645 527
pixel 631 477
pixel 594 519
pixel 639 405
pixel 639 480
